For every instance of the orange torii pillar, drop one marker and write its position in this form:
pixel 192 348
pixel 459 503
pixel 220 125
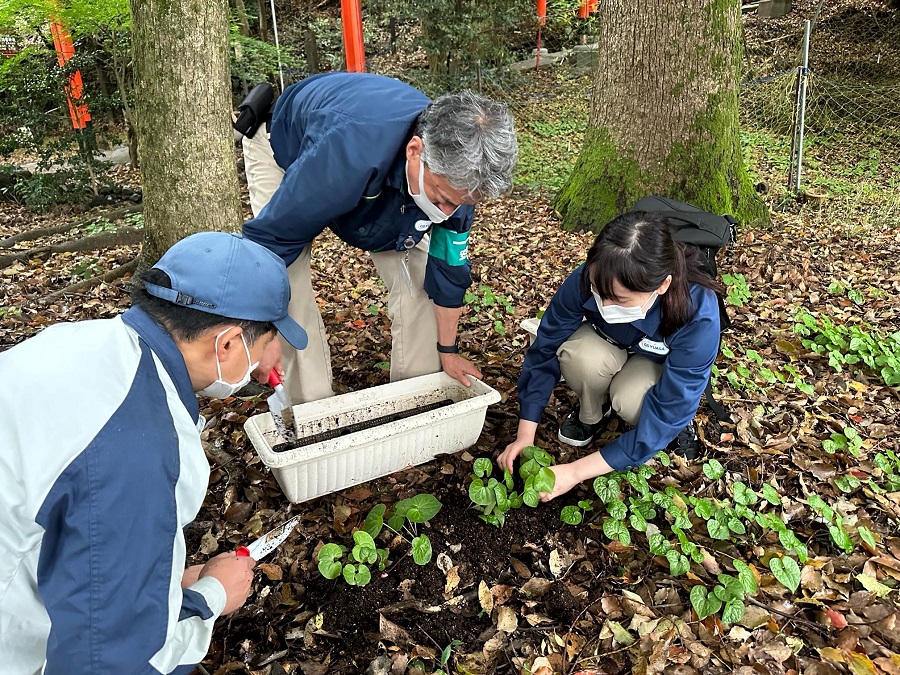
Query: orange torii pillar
pixel 354 49
pixel 542 19
pixel 65 50
pixel 587 8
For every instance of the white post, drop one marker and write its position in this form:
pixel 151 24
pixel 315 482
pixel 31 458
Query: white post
pixel 278 47
pixel 804 75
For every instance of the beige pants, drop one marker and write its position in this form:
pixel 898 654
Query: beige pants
pixel 308 374
pixel 598 371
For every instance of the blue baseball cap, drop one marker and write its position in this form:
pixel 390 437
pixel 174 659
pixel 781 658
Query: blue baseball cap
pixel 228 275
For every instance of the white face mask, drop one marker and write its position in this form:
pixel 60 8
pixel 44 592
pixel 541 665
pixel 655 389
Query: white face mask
pixel 619 314
pixel 434 214
pixel 220 388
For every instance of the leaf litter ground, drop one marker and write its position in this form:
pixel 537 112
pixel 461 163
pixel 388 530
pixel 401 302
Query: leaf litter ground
pixel 561 597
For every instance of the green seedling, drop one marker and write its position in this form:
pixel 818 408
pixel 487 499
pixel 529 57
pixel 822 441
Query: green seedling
pixel 486 305
pixel 365 553
pixel 495 498
pixel 574 513
pixel 852 346
pixel 738 291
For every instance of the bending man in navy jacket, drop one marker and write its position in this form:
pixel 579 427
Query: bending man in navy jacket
pixel 393 174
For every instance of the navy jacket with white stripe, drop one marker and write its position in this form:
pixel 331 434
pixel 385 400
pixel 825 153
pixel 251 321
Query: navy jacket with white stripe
pixel 101 468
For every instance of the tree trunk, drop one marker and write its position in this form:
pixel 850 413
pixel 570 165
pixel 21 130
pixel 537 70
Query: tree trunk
pixel 103 83
pixel 664 115
pixel 263 20
pixel 181 109
pixel 311 48
pixel 240 11
pixel 120 70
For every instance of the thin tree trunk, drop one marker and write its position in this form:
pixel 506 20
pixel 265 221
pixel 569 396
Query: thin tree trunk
pixel 120 70
pixel 182 104
pixel 240 10
pixel 664 115
pixel 103 83
pixel 263 20
pixel 311 47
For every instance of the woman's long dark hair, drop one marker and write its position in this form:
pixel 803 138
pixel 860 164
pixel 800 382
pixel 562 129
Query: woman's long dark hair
pixel 637 250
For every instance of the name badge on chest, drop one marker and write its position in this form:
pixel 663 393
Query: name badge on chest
pixel 652 347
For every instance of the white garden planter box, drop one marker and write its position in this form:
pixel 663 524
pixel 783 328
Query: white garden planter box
pixel 326 466
pixel 531 326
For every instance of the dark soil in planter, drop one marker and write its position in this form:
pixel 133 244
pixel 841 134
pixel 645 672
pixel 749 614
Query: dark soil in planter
pixel 381 420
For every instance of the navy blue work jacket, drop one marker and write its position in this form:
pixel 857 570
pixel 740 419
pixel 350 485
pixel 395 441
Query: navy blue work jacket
pixel 687 357
pixel 341 139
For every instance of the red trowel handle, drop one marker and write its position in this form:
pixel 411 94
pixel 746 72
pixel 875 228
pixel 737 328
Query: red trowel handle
pixel 243 551
pixel 274 379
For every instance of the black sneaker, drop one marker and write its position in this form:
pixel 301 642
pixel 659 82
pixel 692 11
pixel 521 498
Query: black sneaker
pixel 575 432
pixel 686 443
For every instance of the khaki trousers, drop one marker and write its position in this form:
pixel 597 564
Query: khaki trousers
pixel 598 371
pixel 308 375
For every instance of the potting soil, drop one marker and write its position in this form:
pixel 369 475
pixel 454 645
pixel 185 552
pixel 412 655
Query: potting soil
pixel 359 426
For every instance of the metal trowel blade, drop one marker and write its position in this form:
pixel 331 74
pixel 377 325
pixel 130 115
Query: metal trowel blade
pixel 283 417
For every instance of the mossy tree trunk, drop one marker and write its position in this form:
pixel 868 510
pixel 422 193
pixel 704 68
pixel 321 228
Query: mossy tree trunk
pixel 182 118
pixel 664 114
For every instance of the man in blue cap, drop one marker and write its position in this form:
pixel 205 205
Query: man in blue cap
pixel 101 465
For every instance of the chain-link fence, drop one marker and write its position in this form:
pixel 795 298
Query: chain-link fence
pixel 851 108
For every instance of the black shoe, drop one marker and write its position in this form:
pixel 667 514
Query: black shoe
pixel 575 432
pixel 686 443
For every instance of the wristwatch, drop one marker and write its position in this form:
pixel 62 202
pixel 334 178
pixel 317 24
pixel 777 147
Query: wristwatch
pixel 451 349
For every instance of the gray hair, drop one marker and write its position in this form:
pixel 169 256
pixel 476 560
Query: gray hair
pixel 469 139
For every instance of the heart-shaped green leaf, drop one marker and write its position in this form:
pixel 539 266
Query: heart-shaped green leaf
pixel 786 571
pixel 482 467
pixel 713 469
pixel 423 508
pixel 704 603
pixel 374 520
pixel 571 515
pixel 421 550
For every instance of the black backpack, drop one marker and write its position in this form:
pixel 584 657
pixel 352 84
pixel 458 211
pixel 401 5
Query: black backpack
pixel 708 232
pixel 255 109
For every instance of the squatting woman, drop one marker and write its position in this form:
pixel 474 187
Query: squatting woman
pixel 635 329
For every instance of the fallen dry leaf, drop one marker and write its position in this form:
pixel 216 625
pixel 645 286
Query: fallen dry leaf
pixel 273 572
pixel 507 621
pixel 452 581
pixel 391 632
pixel 559 562
pixel 541 666
pixel 209 544
pixel 536 587
pixel 836 618
pixel 485 598
pixel 502 593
